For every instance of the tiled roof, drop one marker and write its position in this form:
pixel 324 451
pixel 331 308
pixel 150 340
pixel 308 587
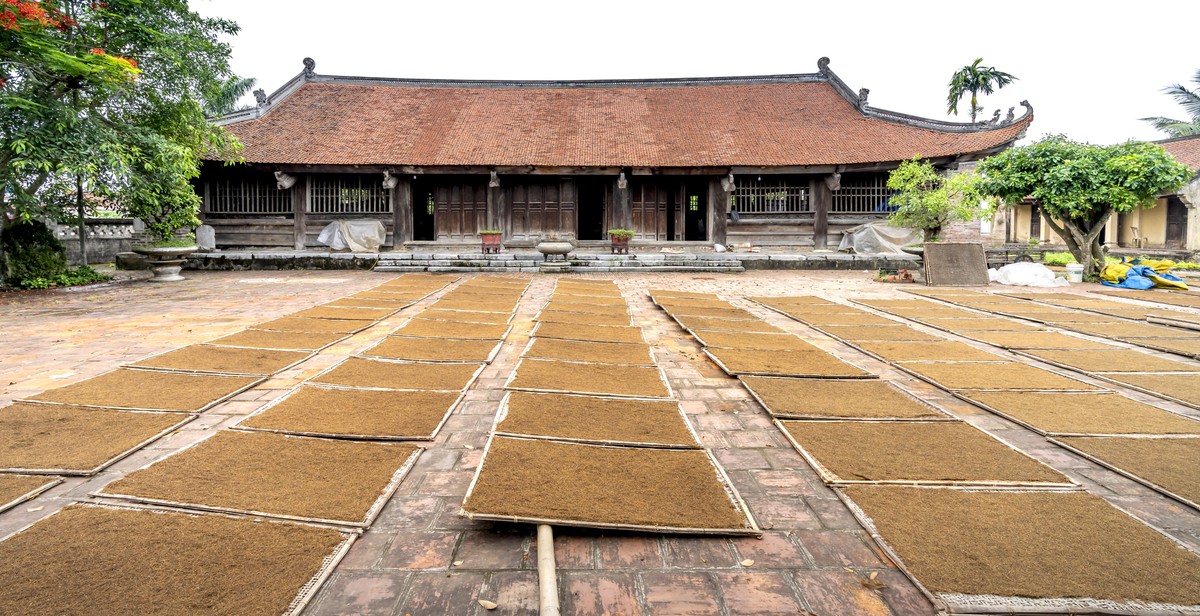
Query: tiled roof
pixel 1185 149
pixel 343 121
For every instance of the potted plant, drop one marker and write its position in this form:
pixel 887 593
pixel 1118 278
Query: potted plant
pixel 491 240
pixel 620 240
pixel 551 246
pixel 169 216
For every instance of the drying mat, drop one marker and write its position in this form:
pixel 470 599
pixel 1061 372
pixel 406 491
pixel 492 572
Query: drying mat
pixel 943 350
pixel 358 302
pixel 818 364
pixel 787 300
pixel 882 332
pixel 560 305
pixel 1169 464
pixel 700 311
pixel 89 559
pixel 583 318
pixel 150 390
pixel 1066 317
pixel 16 489
pixel 1161 297
pixel 435 349
pixel 593 333
pixel 1089 413
pixel 551 376
pixel 1112 360
pixel 398 299
pixel 321 326
pixel 224 360
pixel 993 376
pixel 932 313
pixel 1005 552
pixel 588 419
pixel 1035 340
pixel 859 317
pixel 275 475
pixel 347 314
pixel 425 328
pixel 635 354
pixel 674 302
pixel 988 324
pixel 661 293
pixel 634 488
pixel 370 373
pixel 1189 347
pixel 985 302
pixel 915 452
pixel 600 300
pixel 356 413
pixel 487 289
pixel 726 325
pixel 1030 309
pixel 827 398
pixel 57 439
pixel 806 309
pixel 736 340
pixel 477 303
pixel 888 304
pixel 465 316
pixel 288 341
pixel 1182 388
pixel 1047 297
pixel 1121 331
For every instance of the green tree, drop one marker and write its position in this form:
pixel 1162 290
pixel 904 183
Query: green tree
pixel 224 100
pixel 975 79
pixel 1190 101
pixel 928 200
pixel 108 94
pixel 1080 186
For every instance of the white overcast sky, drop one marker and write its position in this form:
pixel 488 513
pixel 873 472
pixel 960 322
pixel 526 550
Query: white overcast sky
pixel 1090 69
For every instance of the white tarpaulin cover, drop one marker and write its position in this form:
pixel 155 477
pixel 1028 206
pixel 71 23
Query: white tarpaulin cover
pixel 353 235
pixel 877 238
pixel 1026 275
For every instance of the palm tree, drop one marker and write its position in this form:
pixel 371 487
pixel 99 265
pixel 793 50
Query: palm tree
pixel 224 100
pixel 1190 100
pixel 975 79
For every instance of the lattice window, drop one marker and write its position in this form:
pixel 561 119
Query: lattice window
pixel 247 197
pixel 769 196
pixel 863 194
pixel 348 194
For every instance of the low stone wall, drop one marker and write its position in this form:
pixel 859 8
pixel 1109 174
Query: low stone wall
pixel 106 237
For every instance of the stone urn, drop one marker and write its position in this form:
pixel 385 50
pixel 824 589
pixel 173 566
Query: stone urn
pixel 166 262
pixel 555 250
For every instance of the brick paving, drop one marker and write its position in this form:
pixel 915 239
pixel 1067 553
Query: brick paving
pixel 420 557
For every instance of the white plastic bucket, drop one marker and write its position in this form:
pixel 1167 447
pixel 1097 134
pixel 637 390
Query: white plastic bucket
pixel 1074 272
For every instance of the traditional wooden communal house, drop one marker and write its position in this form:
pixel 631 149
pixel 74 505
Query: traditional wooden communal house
pixel 797 157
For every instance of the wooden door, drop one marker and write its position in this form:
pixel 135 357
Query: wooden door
pixel 1176 223
pixel 648 200
pixel 542 207
pixel 461 210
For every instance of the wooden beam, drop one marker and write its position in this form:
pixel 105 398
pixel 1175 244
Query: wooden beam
pixel 718 204
pixel 402 213
pixel 299 208
pixel 821 197
pixel 622 209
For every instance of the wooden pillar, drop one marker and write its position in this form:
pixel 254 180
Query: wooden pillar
pixel 822 196
pixel 622 217
pixel 718 211
pixel 402 212
pixel 495 203
pixel 299 208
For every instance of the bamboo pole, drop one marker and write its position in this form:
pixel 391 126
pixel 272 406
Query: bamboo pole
pixel 547 577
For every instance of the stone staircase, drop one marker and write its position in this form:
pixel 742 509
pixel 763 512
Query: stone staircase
pixel 582 262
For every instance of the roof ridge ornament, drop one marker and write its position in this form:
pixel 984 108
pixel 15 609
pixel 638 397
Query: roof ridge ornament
pixel 823 65
pixel 260 97
pixel 310 67
pixel 862 97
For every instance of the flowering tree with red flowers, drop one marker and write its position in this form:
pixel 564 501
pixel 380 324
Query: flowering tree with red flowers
pixel 107 96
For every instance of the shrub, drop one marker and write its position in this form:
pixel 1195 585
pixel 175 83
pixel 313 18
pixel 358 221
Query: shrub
pixel 29 250
pixel 80 275
pixel 1058 258
pixel 1186 265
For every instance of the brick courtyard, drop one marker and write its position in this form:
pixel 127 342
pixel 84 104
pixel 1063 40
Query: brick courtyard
pixel 420 557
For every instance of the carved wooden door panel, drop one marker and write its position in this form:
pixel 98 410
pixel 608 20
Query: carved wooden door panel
pixel 648 203
pixel 542 207
pixel 461 210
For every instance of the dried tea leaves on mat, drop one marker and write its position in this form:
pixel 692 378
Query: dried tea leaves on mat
pixel 323 326
pixel 986 324
pixel 399 300
pixel 599 379
pixel 728 325
pixel 799 398
pixel 784 363
pixel 1001 376
pixel 942 350
pixel 739 340
pixel 662 293
pixel 931 451
pixel 882 332
pixel 1171 463
pixel 559 305
pixel 586 485
pixel 434 349
pixel 13 487
pixel 149 390
pixel 701 311
pixel 589 418
pixel 584 318
pixel 465 316
pixel 424 328
pixel 361 302
pixel 319 411
pixel 477 303
pixel 360 372
pixel 121 561
pixel 1008 543
pixel 78 440
pixel 1182 387
pixel 671 303
pixel 888 304
pixel 290 341
pixel 791 300
pixel 594 333
pixel 342 313
pixel 224 360
pixel 1123 330
pixel 1055 318
pixel 600 300
pixel 1091 413
pixel 592 352
pixel 1035 340
pixel 1114 360
pixel 1188 347
pixel 338 481
pixel 841 318
pixel 936 312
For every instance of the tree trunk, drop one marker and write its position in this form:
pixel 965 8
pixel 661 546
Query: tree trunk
pixel 1083 240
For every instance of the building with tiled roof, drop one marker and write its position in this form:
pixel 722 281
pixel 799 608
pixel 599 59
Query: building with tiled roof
pixel 794 158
